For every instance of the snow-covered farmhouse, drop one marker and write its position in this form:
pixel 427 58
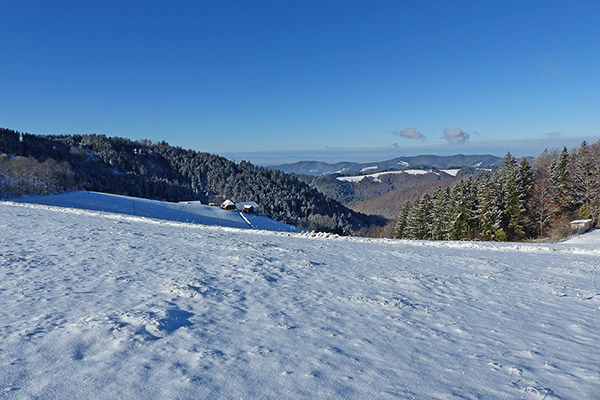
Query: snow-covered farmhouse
pixel 228 205
pixel 581 225
pixel 248 206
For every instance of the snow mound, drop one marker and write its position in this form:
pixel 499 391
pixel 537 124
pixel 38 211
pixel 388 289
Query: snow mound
pixel 98 305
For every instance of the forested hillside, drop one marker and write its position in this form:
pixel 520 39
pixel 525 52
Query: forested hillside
pixel 384 195
pixel 157 170
pixel 518 201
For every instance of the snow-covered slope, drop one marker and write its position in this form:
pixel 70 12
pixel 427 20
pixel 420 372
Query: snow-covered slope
pixel 590 238
pixel 452 172
pixel 103 306
pixel 184 212
pixel 376 175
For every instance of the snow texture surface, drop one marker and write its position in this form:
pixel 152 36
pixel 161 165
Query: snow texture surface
pixel 103 306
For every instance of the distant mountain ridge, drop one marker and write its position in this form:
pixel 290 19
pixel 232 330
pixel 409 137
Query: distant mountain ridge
pixel 319 168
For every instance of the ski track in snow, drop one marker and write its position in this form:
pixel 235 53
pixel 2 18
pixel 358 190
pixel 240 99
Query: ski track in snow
pixel 105 306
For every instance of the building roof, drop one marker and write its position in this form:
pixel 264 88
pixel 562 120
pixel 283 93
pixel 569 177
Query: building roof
pixel 243 204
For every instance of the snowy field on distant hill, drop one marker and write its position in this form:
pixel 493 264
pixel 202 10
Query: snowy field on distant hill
pixel 365 169
pixel 103 306
pixel 193 212
pixel 376 175
pixel 451 172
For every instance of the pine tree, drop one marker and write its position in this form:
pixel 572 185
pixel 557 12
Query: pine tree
pixel 424 216
pixel 542 206
pixel 411 229
pixel 586 181
pixel 471 206
pixel 488 212
pixel 562 183
pixel 459 214
pixel 525 181
pixel 401 221
pixel 418 219
pixel 512 202
pixel 440 214
pixel 595 206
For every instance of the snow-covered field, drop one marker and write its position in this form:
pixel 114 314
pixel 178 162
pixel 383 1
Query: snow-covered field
pixel 103 306
pixel 193 212
pixel 365 169
pixel 452 172
pixel 376 175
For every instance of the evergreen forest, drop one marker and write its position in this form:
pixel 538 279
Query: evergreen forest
pixel 518 201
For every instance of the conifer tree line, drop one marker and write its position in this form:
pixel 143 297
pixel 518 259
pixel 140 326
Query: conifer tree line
pixel 156 170
pixel 518 201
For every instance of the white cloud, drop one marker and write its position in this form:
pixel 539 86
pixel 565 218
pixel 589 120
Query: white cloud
pixel 456 136
pixel 410 133
pixel 553 134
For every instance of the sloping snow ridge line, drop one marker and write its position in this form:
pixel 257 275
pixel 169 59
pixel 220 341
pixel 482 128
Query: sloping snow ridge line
pixel 451 172
pixel 368 168
pixel 103 306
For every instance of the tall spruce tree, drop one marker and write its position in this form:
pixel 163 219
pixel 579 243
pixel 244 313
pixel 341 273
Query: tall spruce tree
pixel 488 210
pixel 459 214
pixel 440 214
pixel 512 203
pixel 542 206
pixel 586 182
pixel 401 221
pixel 471 188
pixel 418 221
pixel 525 181
pixel 562 183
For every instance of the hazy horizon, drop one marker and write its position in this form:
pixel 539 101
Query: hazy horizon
pixel 499 148
pixel 518 148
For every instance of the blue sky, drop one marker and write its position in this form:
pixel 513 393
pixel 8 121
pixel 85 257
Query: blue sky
pixel 355 78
